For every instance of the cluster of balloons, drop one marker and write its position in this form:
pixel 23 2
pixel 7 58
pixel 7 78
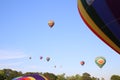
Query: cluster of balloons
pixel 47 58
pixel 100 61
pixel 103 18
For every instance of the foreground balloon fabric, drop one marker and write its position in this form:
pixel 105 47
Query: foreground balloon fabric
pixel 103 18
pixel 100 61
pixel 31 77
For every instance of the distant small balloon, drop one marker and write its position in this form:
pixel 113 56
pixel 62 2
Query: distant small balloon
pixel 51 23
pixel 100 61
pixel 30 58
pixel 48 58
pixel 41 57
pixel 82 63
pixel 54 66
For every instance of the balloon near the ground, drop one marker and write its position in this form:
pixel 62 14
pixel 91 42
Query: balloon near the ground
pixel 31 77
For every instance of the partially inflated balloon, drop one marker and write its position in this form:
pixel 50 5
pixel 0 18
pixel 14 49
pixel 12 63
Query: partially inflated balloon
pixel 100 61
pixel 51 23
pixel 31 77
pixel 103 18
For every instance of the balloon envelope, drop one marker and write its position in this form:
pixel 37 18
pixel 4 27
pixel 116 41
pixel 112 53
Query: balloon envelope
pixel 54 66
pixel 100 61
pixel 51 23
pixel 82 62
pixel 30 57
pixel 41 57
pixel 48 58
pixel 31 77
pixel 103 18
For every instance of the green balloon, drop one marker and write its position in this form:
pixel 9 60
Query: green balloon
pixel 100 61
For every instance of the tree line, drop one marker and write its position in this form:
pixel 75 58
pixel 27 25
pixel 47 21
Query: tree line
pixel 8 74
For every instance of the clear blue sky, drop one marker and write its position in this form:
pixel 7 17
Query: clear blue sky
pixel 24 33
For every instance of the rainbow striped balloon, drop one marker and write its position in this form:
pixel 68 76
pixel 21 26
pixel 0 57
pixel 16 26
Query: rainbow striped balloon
pixel 31 77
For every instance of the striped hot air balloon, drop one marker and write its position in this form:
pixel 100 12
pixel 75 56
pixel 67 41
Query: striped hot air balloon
pixel 31 77
pixel 103 18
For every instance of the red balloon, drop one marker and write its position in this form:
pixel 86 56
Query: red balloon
pixel 82 63
pixel 25 78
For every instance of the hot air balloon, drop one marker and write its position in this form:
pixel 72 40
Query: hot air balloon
pixel 55 66
pixel 34 76
pixel 30 57
pixel 100 61
pixel 41 57
pixel 48 58
pixel 82 63
pixel 103 18
pixel 51 23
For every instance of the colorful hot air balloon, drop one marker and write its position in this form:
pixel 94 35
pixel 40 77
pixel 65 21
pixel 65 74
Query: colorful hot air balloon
pixel 51 23
pixel 82 63
pixel 17 78
pixel 100 61
pixel 31 77
pixel 48 58
pixel 103 18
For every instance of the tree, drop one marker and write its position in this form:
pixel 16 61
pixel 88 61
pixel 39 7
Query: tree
pixel 102 78
pixel 70 78
pixel 115 77
pixel 76 77
pixel 8 74
pixel 2 77
pixel 50 76
pixel 61 77
pixel 86 76
pixel 93 78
